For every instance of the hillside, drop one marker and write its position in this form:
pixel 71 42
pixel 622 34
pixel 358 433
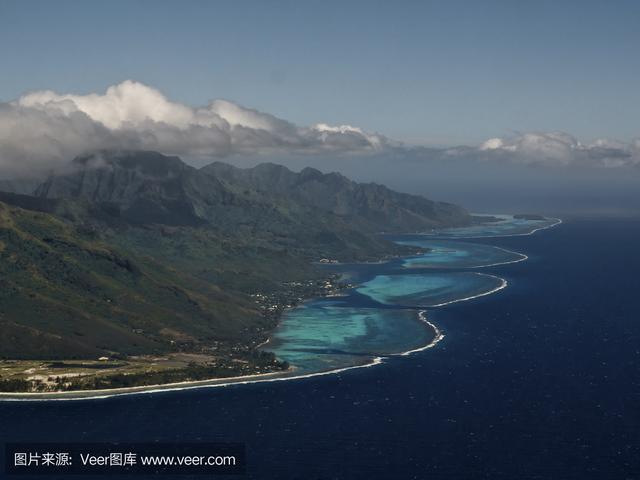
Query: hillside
pixel 139 253
pixel 67 294
pixel 370 206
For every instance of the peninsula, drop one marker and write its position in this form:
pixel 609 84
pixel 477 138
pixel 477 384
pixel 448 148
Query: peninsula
pixel 132 268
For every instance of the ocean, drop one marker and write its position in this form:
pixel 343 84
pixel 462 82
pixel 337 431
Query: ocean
pixel 539 380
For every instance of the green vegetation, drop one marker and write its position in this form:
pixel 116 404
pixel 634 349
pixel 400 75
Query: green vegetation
pixel 261 364
pixel 141 254
pixel 68 375
pixel 64 295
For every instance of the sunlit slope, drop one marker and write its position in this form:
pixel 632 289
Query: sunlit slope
pixel 65 294
pixel 134 252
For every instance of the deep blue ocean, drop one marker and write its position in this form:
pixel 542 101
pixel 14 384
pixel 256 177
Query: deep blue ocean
pixel 538 381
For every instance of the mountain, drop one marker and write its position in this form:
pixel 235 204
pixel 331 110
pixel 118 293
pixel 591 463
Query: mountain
pixel 139 187
pixel 368 205
pixel 66 293
pixel 149 189
pixel 23 186
pixel 131 253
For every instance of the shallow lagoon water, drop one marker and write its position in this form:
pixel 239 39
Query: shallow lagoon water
pixel 322 335
pixel 506 225
pixel 381 315
pixel 540 381
pixel 429 289
pixel 452 254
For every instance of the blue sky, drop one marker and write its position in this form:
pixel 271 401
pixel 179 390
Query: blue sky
pixel 434 73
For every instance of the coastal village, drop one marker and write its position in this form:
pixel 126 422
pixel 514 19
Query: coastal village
pixel 187 363
pixel 273 304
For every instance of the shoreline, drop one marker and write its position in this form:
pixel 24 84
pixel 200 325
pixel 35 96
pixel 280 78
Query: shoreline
pixel 215 382
pixel 437 338
pixel 263 377
pixel 522 258
pixel 558 221
pixel 503 284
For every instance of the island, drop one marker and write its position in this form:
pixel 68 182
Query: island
pixel 132 268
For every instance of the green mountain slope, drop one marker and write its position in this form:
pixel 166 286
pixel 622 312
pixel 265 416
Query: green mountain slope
pixel 65 294
pixel 369 206
pixel 138 253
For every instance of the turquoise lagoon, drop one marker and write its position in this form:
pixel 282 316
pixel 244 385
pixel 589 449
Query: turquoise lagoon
pixel 430 289
pixel 323 335
pixel 450 254
pixel 506 225
pixel 381 315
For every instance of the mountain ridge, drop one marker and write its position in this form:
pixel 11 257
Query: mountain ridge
pixel 158 255
pixel 380 207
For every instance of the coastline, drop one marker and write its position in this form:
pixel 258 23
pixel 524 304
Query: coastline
pixel 522 258
pixel 437 338
pixel 263 377
pixel 503 285
pixel 558 221
pixel 80 395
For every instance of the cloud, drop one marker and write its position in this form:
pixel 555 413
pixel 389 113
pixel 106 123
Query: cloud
pixel 43 130
pixel 559 149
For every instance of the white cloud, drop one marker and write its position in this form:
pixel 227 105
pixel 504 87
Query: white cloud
pixel 327 131
pixel 124 105
pixel 44 129
pixel 492 144
pixel 559 149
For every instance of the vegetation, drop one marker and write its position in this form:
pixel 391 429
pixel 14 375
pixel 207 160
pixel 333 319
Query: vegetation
pixel 144 255
pixel 68 375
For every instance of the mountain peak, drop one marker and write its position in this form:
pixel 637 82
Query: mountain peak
pixel 137 186
pixel 145 162
pixel 310 173
pixel 371 206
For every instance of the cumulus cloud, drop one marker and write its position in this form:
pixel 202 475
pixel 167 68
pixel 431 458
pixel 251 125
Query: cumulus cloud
pixel 43 130
pixel 560 149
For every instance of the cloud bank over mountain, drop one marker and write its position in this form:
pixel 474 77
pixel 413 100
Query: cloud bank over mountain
pixel 558 148
pixel 43 130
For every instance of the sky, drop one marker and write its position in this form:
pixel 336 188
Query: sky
pixel 444 73
pixel 516 84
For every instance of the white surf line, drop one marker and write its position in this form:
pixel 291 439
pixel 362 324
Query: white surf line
pixel 558 221
pixel 438 336
pixel 173 387
pixel 182 386
pixel 503 284
pixel 522 258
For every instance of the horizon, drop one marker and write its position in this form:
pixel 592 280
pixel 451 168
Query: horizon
pixel 355 240
pixel 430 73
pixel 484 105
